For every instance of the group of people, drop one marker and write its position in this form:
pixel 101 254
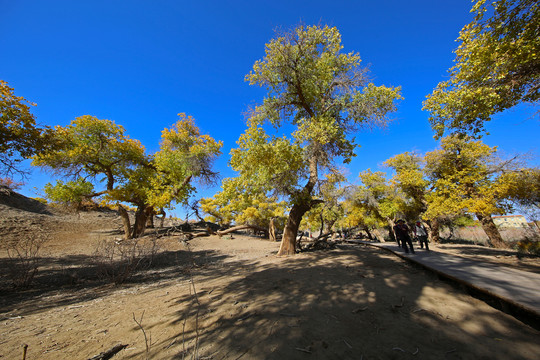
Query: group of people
pixel 403 235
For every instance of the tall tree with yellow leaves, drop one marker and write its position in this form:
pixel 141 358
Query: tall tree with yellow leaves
pixel 99 150
pixel 323 96
pixel 497 66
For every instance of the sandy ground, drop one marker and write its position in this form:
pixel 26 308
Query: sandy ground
pixel 227 298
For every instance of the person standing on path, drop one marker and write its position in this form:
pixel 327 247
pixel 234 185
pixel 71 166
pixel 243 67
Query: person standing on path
pixel 421 234
pixel 402 233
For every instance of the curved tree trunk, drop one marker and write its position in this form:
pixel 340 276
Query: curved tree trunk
pixel 141 216
pixel 288 242
pixel 433 230
pixel 494 236
pixel 272 230
pixel 378 235
pixel 304 204
pixel 150 220
pixel 368 233
pixel 240 227
pixel 125 220
pixel 162 219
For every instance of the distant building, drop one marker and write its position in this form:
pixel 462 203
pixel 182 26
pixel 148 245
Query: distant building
pixel 510 221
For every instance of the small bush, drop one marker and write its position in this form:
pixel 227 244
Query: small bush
pixel 528 247
pixel 10 184
pixel 119 260
pixel 24 254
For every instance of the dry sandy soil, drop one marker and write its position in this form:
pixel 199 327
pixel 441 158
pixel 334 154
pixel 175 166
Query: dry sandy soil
pixel 227 298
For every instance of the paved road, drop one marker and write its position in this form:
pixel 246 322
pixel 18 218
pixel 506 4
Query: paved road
pixel 520 288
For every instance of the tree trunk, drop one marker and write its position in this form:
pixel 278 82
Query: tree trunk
pixel 368 233
pixel 240 227
pixel 125 220
pixel 288 242
pixel 433 230
pixel 391 233
pixel 494 236
pixel 305 202
pixel 150 220
pixel 329 225
pixel 272 230
pixel 162 219
pixel 378 235
pixel 141 216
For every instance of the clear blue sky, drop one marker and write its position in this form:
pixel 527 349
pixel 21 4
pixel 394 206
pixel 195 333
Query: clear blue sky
pixel 139 63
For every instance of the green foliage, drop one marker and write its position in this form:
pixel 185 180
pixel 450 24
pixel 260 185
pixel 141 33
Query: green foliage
pixel 464 176
pixel 528 247
pixel 323 93
pixel 375 201
pixel 94 147
pixel 100 150
pixel 523 187
pixel 323 96
pixel 70 193
pixel 497 66
pixel 331 210
pixel 463 220
pixel 233 204
pixel 410 180
pixel 20 137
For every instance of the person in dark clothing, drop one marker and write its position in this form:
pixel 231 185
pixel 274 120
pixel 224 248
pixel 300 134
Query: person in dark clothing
pixel 421 234
pixel 402 233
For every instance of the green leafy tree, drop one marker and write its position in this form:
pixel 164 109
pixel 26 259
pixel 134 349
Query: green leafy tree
pixel 100 150
pixel 522 188
pixel 235 205
pixel 409 177
pixel 466 176
pixel 20 137
pixel 72 193
pixel 497 66
pixel 379 201
pixel 330 212
pixel 323 95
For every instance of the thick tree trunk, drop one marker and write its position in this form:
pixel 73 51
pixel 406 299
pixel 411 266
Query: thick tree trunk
pixel 125 220
pixel 433 230
pixel 368 233
pixel 272 230
pixel 494 236
pixel 305 202
pixel 141 216
pixel 391 232
pixel 321 229
pixel 150 220
pixel 328 226
pixel 162 219
pixel 378 235
pixel 240 227
pixel 288 242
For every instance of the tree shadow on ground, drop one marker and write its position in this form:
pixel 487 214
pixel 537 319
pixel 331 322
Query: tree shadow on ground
pixel 352 303
pixel 67 280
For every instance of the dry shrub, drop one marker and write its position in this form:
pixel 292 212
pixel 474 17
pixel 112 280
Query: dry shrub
pixel 23 251
pixel 119 260
pixel 528 247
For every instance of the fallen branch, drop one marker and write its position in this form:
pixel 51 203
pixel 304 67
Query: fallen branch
pixel 239 227
pixel 109 353
pixel 147 342
pixel 400 305
pixel 356 311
